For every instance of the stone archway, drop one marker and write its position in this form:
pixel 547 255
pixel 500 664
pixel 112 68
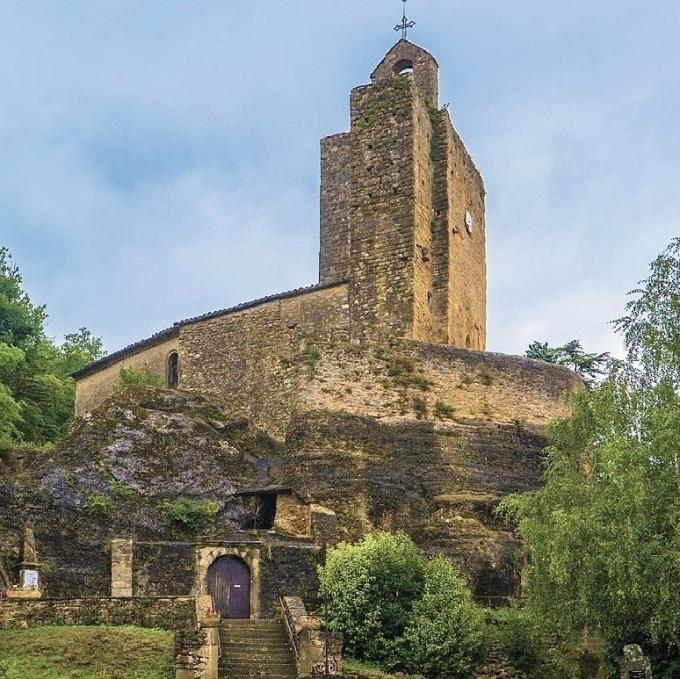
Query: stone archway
pixel 206 556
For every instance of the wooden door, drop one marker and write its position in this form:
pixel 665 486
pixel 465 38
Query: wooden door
pixel 229 586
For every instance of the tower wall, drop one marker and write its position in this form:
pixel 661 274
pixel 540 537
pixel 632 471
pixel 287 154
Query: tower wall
pixel 382 211
pixel 395 192
pixel 335 198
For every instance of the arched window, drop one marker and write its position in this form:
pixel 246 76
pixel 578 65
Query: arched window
pixel 173 370
pixel 403 67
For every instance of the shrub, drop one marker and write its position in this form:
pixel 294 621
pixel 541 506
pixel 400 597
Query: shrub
pixel 189 515
pixel 527 644
pixel 141 376
pixel 121 489
pixel 444 637
pixel 368 591
pixel 313 357
pixel 443 411
pixel 99 505
pixel 420 407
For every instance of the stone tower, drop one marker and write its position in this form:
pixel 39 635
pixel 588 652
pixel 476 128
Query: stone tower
pixel 402 211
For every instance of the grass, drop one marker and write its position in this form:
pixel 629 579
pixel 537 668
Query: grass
pixel 86 653
pixel 364 670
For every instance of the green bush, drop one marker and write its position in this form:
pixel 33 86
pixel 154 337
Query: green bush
pixel 189 515
pixel 445 636
pixel 530 645
pixel 142 376
pixel 121 489
pixel 368 590
pixel 99 505
pixel 400 611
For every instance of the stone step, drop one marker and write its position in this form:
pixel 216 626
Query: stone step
pixel 255 649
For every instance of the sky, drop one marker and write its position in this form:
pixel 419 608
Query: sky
pixel 159 160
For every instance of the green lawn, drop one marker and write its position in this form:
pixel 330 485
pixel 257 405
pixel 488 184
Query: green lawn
pixel 86 653
pixel 364 670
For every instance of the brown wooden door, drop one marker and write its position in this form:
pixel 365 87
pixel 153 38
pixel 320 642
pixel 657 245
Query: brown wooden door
pixel 229 586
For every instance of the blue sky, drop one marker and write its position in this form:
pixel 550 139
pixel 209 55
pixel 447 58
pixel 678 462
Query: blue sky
pixel 160 159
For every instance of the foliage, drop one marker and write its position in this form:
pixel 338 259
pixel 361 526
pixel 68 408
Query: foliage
pixel 444 636
pixel 443 410
pixel 86 653
pixel 99 505
pixel 144 376
pixel 527 644
pixel 363 670
pixel 398 610
pixel 651 326
pixel 312 358
pixel 189 515
pixel 36 392
pixel 590 367
pixel 121 489
pixel 603 533
pixel 368 590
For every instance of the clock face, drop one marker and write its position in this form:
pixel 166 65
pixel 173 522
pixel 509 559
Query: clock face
pixel 469 222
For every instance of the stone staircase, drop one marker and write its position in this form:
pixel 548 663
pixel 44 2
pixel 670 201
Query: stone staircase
pixel 255 649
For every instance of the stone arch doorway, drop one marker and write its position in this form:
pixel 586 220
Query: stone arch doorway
pixel 229 585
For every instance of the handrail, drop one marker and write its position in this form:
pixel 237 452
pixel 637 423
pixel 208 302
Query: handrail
pixel 290 627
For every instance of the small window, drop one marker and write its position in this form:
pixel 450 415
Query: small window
pixel 263 514
pixel 173 370
pixel 404 67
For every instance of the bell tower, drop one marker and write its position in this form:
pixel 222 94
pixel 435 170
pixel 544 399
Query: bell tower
pixel 402 211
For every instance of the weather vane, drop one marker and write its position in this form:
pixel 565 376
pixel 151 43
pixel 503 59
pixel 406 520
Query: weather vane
pixel 405 24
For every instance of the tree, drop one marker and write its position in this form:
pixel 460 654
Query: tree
pixel 443 638
pixel 36 392
pixel 590 367
pixel 603 532
pixel 399 610
pixel 368 590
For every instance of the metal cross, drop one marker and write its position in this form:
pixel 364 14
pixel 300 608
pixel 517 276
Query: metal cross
pixel 405 24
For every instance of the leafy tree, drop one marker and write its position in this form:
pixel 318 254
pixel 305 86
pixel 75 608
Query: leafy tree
pixel 36 392
pixel 444 637
pixel 603 533
pixel 589 367
pixel 368 591
pixel 400 611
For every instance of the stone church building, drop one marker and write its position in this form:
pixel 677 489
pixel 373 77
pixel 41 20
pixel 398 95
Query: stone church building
pixel 374 383
pixel 402 256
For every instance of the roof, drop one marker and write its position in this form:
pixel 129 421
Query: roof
pixel 173 331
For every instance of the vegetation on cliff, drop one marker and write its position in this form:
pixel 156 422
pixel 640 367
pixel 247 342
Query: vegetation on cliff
pixel 36 392
pixel 602 533
pixel 399 610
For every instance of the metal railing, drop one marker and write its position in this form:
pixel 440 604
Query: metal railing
pixel 290 627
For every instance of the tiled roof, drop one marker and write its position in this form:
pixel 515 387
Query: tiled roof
pixel 173 331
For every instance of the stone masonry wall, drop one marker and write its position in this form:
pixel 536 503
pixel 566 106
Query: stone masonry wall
pixel 382 245
pixel 467 252
pixel 164 613
pixel 437 383
pixel 423 214
pixel 93 389
pixel 335 199
pixel 258 361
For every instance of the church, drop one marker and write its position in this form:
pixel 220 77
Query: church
pixel 402 257
pixel 364 402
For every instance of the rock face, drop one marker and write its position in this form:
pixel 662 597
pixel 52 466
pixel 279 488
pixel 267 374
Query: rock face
pixel 440 482
pixel 110 476
pixel 385 439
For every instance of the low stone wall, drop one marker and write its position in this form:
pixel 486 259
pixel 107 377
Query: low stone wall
pixel 310 640
pixel 169 613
